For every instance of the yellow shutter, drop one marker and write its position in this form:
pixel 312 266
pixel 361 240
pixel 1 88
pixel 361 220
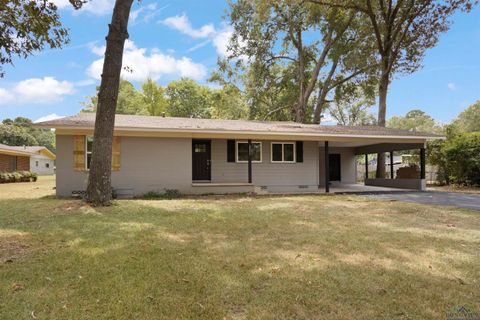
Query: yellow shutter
pixel 79 153
pixel 116 154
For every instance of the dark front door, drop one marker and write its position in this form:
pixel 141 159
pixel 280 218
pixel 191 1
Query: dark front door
pixel 201 157
pixel 334 163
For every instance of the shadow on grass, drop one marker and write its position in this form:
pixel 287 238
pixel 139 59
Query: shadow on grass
pixel 261 258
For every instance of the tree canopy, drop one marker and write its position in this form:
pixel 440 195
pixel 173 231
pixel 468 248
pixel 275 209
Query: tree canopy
pixel 469 119
pixel 415 120
pixel 27 26
pixel 20 132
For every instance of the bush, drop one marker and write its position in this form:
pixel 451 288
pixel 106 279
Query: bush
pixel 19 176
pixel 168 194
pixel 462 158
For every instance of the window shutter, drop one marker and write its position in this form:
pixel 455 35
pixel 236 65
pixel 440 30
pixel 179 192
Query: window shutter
pixel 116 153
pixel 79 153
pixel 230 150
pixel 299 151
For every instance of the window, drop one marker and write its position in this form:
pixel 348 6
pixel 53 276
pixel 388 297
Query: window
pixel 88 153
pixel 36 163
pixel 242 151
pixel 283 152
pixel 47 165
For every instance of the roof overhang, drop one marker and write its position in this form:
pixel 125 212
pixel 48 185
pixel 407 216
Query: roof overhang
pixel 16 153
pixel 233 134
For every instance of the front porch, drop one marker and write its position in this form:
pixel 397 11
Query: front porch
pixel 221 166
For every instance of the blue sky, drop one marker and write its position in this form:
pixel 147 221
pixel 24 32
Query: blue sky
pixel 170 39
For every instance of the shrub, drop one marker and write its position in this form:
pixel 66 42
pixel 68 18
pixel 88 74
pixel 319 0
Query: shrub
pixel 462 157
pixel 20 176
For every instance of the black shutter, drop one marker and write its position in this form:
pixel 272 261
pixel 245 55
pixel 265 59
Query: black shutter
pixel 299 151
pixel 230 150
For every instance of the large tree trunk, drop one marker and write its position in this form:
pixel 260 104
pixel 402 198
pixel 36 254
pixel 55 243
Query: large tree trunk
pixel 382 111
pixel 99 189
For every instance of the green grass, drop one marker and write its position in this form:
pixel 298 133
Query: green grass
pixel 297 257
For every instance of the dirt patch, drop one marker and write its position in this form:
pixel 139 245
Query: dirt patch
pixel 13 247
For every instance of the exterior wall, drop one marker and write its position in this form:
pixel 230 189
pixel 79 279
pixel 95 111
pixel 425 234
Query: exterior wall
pixel 7 163
pixel 23 163
pixel 147 164
pixel 348 165
pixel 156 164
pixel 38 164
pixel 275 177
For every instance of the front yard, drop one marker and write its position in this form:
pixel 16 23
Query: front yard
pixel 303 257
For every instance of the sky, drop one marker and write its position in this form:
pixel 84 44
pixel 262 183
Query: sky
pixel 184 38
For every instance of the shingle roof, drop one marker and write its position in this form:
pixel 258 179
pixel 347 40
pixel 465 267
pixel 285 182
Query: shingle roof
pixel 87 120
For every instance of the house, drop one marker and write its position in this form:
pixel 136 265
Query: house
pixel 27 158
pixel 198 156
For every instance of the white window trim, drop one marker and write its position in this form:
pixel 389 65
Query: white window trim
pixel 253 161
pixel 87 152
pixel 283 152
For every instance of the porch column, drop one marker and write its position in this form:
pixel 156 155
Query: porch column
pixel 366 166
pixel 391 164
pixel 422 163
pixel 327 169
pixel 250 160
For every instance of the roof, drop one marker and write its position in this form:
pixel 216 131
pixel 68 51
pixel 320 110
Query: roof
pixel 26 151
pixel 149 123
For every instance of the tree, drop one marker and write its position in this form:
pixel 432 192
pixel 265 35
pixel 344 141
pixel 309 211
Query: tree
pixel 16 136
pixel 352 109
pixel 415 120
pixel 309 46
pixel 403 31
pixel 99 188
pixel 129 100
pixel 20 132
pixel 153 98
pixel 469 119
pixel 27 26
pixel 188 99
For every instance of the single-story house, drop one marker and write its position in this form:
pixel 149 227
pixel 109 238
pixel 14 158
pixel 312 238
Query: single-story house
pixel 197 156
pixel 27 158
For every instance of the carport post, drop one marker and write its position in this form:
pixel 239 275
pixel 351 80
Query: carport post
pixel 422 163
pixel 366 166
pixel 327 169
pixel 250 151
pixel 391 164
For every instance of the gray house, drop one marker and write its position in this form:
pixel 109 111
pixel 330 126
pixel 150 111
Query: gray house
pixel 196 156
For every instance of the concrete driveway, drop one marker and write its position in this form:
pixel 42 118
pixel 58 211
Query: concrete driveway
pixel 454 199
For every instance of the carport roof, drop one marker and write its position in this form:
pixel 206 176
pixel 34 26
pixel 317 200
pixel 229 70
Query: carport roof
pixel 171 124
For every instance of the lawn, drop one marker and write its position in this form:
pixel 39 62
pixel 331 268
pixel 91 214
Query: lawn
pixel 292 257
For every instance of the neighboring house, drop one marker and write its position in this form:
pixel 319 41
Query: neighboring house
pixel 27 158
pixel 196 156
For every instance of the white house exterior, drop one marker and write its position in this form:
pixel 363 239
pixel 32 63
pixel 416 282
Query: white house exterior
pixel 30 158
pixel 196 156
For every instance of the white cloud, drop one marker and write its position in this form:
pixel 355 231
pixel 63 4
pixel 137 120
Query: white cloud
pixel 36 90
pixel 221 41
pixel 52 116
pixel 5 96
pixel 182 24
pixel 95 7
pixel 147 12
pixel 140 63
pixel 451 86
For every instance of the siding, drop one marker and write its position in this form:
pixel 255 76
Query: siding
pixel 266 173
pixel 42 169
pixel 348 164
pixel 155 164
pixel 147 164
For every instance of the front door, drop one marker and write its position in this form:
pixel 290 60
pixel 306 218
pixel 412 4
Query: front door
pixel 201 158
pixel 334 164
